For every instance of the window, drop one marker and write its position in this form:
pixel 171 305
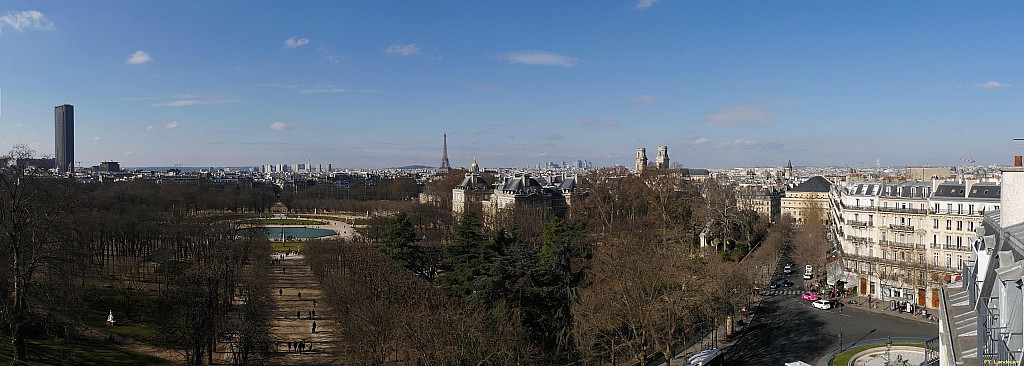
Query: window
pixel 935 239
pixel 949 224
pixel 959 243
pixel 959 262
pixel 949 208
pixel 970 208
pixel 935 224
pixel 960 208
pixel 920 258
pixel 936 207
pixel 857 202
pixel 970 225
pixel 935 259
pixel 949 261
pixel 885 254
pixel 949 240
pixel 959 225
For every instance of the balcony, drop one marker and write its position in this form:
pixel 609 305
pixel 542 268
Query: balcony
pixel 892 262
pixel 906 228
pixel 888 243
pixel 916 211
pixel 856 223
pixel 962 248
pixel 858 207
pixel 860 239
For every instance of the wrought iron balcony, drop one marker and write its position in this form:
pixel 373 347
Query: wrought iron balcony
pixel 906 228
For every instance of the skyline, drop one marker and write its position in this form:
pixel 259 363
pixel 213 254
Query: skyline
pixel 377 84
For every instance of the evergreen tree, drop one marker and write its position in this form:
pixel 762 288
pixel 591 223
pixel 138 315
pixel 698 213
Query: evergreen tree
pixel 397 242
pixel 548 314
pixel 468 259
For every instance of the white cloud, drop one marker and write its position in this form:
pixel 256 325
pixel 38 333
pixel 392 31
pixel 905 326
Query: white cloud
pixel 991 85
pixel 644 99
pixel 150 127
pixel 644 4
pixel 26 20
pixel 700 141
pixel 403 49
pixel 129 153
pixel 322 90
pixel 138 58
pixel 330 56
pixel 296 42
pixel 538 58
pixel 736 143
pixel 188 102
pixel 742 114
pixel 587 121
pixel 172 124
pixel 279 126
pixel 97 138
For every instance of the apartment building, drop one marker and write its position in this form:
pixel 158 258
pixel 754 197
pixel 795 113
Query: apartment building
pixel 981 320
pixel 900 241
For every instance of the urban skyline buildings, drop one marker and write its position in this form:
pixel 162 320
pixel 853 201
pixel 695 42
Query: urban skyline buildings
pixel 64 126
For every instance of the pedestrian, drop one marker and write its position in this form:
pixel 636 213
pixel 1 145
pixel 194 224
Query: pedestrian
pixel 310 313
pixel 300 294
pixel 314 326
pixel 280 291
pixel 310 346
pixel 298 315
pixel 289 346
pixel 313 312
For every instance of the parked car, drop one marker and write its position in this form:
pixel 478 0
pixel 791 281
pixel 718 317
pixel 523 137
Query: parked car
pixel 808 272
pixel 773 285
pixel 822 304
pixel 809 296
pixel 787 283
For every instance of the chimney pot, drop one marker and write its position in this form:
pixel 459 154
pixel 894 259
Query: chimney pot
pixel 1017 161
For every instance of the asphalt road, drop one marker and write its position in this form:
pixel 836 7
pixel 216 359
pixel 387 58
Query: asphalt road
pixel 788 329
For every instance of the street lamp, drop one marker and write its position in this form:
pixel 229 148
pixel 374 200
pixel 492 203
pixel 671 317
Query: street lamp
pixel 840 329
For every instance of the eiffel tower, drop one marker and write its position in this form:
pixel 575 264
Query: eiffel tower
pixel 445 167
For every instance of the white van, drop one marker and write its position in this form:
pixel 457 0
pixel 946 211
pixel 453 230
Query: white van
pixel 808 272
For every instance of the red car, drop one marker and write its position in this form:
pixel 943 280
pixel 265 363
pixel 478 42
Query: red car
pixel 809 296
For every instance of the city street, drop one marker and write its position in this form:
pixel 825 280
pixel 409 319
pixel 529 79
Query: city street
pixel 788 329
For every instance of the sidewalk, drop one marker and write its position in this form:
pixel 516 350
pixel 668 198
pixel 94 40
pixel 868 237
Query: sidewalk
pixel 723 342
pixel 881 307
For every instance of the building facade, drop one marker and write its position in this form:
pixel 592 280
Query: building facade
pixel 812 194
pixel 64 126
pixel 981 319
pixel 900 241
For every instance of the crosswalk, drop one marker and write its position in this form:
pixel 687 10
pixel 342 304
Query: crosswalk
pixel 782 292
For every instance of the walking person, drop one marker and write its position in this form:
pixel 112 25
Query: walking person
pixel 314 326
pixel 298 314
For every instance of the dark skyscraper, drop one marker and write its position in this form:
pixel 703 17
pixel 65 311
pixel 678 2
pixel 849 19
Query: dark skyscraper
pixel 64 121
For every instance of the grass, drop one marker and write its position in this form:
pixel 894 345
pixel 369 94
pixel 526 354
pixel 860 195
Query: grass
pixel 290 222
pixel 81 351
pixel 278 246
pixel 141 327
pixel 843 358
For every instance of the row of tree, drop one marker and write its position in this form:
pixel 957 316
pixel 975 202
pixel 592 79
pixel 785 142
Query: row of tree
pixel 622 278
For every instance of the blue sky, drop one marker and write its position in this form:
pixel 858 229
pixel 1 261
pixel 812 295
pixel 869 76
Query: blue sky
pixel 516 83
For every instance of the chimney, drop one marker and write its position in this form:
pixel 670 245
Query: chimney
pixel 1011 198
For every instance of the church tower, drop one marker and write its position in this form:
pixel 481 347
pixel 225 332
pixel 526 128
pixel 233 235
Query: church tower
pixel 789 170
pixel 641 159
pixel 662 159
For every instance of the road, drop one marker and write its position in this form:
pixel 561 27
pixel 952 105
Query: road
pixel 788 329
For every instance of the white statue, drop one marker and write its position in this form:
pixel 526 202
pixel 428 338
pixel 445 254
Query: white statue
pixel 110 318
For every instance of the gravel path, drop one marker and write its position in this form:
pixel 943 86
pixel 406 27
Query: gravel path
pixel 296 290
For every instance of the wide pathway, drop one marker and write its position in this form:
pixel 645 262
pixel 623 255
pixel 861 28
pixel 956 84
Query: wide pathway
pixel 296 293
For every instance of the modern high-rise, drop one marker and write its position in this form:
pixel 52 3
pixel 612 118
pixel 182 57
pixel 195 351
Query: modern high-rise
pixel 64 123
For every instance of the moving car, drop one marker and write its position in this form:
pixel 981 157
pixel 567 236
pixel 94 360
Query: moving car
pixel 807 272
pixel 708 357
pixel 773 285
pixel 787 283
pixel 809 296
pixel 822 304
pixel 788 269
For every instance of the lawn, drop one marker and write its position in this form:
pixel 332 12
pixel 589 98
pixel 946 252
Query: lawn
pixel 290 222
pixel 843 358
pixel 278 246
pixel 81 351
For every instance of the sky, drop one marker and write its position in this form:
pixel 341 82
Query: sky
pixel 373 84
